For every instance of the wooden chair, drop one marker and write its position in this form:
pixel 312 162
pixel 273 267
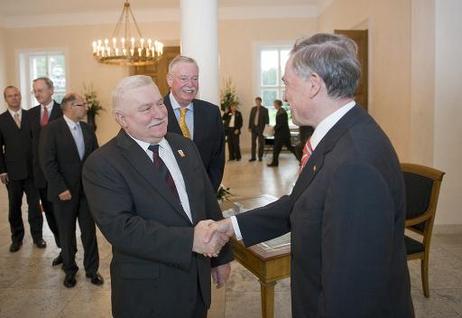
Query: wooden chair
pixel 422 191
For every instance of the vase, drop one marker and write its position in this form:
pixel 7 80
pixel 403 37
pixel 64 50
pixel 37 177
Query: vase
pixel 91 120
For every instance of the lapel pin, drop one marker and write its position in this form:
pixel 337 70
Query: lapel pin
pixel 314 168
pixel 181 153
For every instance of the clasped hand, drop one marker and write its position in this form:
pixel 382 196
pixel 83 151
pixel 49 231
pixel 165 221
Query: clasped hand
pixel 210 236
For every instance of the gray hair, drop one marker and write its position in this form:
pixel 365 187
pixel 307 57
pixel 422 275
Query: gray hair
pixel 68 99
pixel 126 84
pixel 180 59
pixel 333 57
pixel 47 81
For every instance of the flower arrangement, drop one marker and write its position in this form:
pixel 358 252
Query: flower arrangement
pixel 93 104
pixel 228 95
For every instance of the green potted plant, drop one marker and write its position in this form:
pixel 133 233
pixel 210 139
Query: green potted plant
pixel 93 104
pixel 228 95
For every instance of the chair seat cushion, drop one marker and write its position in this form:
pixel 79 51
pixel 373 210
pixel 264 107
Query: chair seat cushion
pixel 413 246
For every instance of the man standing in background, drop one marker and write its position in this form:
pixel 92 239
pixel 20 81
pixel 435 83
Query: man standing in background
pixel 47 111
pixel 257 121
pixel 64 146
pixel 16 169
pixel 195 119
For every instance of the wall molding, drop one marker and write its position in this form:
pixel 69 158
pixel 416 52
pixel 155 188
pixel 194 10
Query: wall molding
pixel 157 15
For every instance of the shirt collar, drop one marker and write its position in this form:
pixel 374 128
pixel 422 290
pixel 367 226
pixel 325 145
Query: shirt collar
pixel 70 122
pixel 12 112
pixel 175 104
pixel 145 145
pixel 327 123
pixel 49 106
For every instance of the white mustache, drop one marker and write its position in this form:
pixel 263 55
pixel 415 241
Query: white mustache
pixel 156 123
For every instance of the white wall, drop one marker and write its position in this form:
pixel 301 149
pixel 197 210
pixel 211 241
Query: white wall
pixel 448 109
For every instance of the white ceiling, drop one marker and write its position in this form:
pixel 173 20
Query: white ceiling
pixel 9 8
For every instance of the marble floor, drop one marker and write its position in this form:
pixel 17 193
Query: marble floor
pixel 30 287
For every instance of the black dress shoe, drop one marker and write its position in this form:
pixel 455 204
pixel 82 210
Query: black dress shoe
pixel 95 278
pixel 58 260
pixel 40 243
pixel 69 280
pixel 272 164
pixel 15 246
pixel 252 159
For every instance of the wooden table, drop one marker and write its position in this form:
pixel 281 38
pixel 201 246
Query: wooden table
pixel 269 265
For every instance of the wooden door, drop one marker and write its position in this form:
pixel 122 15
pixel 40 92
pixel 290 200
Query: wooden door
pixel 158 71
pixel 360 37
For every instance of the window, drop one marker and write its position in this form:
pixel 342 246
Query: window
pixel 271 64
pixel 34 64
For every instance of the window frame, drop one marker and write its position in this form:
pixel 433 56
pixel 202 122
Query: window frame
pixel 24 72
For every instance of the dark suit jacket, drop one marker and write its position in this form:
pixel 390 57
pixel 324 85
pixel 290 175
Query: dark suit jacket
pixel 15 146
pixel 39 178
pixel 237 121
pixel 346 216
pixel 209 136
pixel 263 119
pixel 59 157
pixel 281 129
pixel 154 272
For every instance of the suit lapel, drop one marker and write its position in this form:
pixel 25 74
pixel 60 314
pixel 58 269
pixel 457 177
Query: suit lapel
pixel 87 140
pixel 138 158
pixel 199 121
pixel 184 163
pixel 68 135
pixel 316 160
pixel 173 125
pixel 55 112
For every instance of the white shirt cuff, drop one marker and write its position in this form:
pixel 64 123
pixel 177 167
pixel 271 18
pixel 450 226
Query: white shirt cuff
pixel 237 230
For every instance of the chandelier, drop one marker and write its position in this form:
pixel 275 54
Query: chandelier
pixel 126 45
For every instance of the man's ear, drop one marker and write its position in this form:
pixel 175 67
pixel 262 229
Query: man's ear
pixel 314 84
pixel 120 119
pixel 169 79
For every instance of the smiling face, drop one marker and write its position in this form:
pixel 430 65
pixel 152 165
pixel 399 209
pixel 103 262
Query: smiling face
pixel 183 81
pixel 143 115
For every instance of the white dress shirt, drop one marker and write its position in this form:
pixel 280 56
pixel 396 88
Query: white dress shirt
pixel 319 132
pixel 49 107
pixel 19 112
pixel 167 156
pixel 77 134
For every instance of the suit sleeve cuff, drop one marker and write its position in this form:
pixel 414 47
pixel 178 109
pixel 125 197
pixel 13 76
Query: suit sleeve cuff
pixel 237 230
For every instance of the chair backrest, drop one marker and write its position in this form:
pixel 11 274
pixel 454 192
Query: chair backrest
pixel 422 191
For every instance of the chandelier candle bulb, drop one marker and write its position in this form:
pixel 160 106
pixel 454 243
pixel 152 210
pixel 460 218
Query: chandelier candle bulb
pixel 114 42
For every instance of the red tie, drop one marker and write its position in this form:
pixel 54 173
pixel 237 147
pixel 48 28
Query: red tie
pixel 44 119
pixel 307 150
pixel 163 170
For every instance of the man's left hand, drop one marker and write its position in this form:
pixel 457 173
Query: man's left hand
pixel 220 274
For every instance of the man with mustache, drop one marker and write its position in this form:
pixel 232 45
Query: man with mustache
pixel 148 192
pixel 193 118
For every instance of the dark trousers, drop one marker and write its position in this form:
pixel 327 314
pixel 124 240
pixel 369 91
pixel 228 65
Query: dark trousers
pixel 16 189
pixel 67 212
pixel 234 149
pixel 47 207
pixel 257 135
pixel 279 142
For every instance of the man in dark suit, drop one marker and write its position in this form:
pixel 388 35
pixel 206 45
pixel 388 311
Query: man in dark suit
pixel 148 192
pixel 281 133
pixel 40 115
pixel 193 118
pixel 347 209
pixel 16 169
pixel 232 120
pixel 64 146
pixel 257 121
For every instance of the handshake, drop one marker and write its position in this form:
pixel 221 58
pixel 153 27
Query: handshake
pixel 210 236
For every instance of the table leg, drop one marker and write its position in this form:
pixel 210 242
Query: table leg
pixel 267 299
